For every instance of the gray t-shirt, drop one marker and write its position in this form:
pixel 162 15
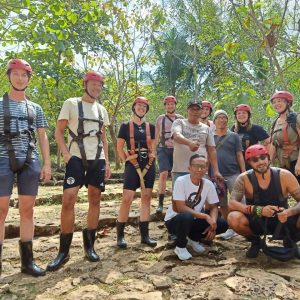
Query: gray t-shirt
pixel 19 121
pixel 182 153
pixel 227 147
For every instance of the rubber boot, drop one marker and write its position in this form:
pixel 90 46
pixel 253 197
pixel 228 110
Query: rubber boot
pixel 144 230
pixel 253 251
pixel 28 266
pixel 160 208
pixel 63 252
pixel 0 259
pixel 89 237
pixel 121 243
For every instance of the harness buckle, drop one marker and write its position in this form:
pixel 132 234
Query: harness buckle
pixel 93 132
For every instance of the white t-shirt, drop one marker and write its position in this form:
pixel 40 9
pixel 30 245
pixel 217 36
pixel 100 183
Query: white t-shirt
pixel 185 190
pixel 69 111
pixel 200 133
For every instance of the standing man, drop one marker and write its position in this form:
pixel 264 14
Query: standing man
pixel 266 190
pixel 19 120
pixel 230 159
pixel 165 146
pixel 206 113
pixel 192 137
pixel 186 217
pixel 86 158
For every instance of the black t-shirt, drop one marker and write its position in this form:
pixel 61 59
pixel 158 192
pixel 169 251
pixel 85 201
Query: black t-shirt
pixel 139 134
pixel 252 136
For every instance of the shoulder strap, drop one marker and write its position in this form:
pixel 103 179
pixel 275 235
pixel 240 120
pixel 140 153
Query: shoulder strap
pixel 277 187
pixel 131 137
pixel 80 129
pixel 30 113
pixel 220 143
pixel 148 137
pixel 272 128
pixel 6 114
pixel 198 195
pixel 254 182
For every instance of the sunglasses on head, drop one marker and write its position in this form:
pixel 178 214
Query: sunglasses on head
pixel 257 158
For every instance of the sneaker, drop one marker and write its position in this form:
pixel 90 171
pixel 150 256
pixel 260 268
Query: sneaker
pixel 182 253
pixel 228 234
pixel 196 246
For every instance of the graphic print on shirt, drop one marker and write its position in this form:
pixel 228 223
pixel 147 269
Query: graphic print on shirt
pixel 191 202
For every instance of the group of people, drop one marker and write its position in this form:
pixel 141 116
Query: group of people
pixel 205 158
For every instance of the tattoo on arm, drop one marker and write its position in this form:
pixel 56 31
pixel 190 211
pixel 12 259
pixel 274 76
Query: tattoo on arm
pixel 296 194
pixel 238 189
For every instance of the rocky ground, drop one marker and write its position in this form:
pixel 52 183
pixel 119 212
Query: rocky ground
pixel 139 272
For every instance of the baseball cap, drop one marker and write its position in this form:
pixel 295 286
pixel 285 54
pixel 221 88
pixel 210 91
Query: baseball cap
pixel 219 112
pixel 194 102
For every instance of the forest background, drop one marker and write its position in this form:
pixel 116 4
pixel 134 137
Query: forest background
pixel 224 51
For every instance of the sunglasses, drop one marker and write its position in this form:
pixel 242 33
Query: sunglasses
pixel 255 159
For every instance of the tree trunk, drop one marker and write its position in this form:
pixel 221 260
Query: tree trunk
pixel 113 136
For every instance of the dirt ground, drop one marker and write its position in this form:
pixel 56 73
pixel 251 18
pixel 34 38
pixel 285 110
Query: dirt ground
pixel 139 272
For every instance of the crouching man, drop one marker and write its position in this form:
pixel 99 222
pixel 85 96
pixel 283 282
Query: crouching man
pixel 266 190
pixel 186 218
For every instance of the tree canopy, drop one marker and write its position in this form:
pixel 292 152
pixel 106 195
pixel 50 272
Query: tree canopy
pixel 224 51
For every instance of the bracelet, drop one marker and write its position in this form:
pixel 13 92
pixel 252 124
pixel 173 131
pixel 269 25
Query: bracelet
pixel 258 211
pixel 248 210
pixel 254 210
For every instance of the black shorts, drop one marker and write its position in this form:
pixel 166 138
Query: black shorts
pixel 165 159
pixel 76 175
pixel 132 179
pixel 257 224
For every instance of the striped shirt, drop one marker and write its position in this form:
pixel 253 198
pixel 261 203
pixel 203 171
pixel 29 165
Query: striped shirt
pixel 19 122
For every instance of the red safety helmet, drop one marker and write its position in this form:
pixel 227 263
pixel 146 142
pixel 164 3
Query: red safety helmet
pixel 170 99
pixel 284 95
pixel 255 150
pixel 242 107
pixel 140 100
pixel 92 75
pixel 17 63
pixel 206 104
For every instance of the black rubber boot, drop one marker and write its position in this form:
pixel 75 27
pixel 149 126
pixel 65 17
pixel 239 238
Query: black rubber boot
pixel 89 237
pixel 121 243
pixel 28 266
pixel 253 251
pixel 63 252
pixel 144 230
pixel 289 244
pixel 0 259
pixel 160 208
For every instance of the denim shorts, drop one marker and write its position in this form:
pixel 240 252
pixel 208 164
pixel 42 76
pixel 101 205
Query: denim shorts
pixel 27 179
pixel 76 175
pixel 165 159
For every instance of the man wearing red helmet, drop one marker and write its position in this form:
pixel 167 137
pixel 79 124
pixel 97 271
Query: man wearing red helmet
pixel 266 190
pixel 165 145
pixel 249 133
pixel 139 137
pixel 206 113
pixel 20 119
pixel 285 133
pixel 86 158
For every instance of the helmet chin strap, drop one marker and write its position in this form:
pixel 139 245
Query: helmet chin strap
pixel 263 173
pixel 286 108
pixel 171 112
pixel 16 89
pixel 94 98
pixel 140 117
